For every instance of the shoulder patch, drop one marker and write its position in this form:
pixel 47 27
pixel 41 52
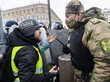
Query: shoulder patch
pixel 105 44
pixel 95 21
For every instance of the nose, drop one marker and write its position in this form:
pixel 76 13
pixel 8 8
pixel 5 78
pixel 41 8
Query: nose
pixel 40 30
pixel 66 20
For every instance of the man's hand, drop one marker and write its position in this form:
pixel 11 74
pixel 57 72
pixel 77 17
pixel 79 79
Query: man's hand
pixel 52 38
pixel 1 56
pixel 54 70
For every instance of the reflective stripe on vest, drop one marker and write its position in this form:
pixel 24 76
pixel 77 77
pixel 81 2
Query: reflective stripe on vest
pixel 69 37
pixel 39 63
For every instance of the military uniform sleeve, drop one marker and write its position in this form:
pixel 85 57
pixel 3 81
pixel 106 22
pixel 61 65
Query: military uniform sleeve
pixel 97 39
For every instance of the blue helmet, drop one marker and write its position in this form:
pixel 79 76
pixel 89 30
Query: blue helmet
pixel 10 23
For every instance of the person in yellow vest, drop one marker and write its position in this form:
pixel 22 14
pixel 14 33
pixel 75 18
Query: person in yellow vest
pixel 25 62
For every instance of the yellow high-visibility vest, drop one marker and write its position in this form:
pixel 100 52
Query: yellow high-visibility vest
pixel 68 37
pixel 39 64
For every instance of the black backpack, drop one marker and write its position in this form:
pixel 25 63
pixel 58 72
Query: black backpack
pixel 1 70
pixel 6 74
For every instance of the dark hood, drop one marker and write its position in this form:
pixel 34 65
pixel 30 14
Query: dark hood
pixel 93 12
pixel 17 39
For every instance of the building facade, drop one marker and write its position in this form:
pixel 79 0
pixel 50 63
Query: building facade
pixel 37 11
pixel 106 13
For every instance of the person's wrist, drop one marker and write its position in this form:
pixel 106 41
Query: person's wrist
pixel 48 41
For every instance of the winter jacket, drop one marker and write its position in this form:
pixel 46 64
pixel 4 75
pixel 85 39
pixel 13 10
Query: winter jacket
pixel 25 59
pixel 96 38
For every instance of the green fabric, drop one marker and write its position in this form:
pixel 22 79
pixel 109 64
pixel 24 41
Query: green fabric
pixel 106 45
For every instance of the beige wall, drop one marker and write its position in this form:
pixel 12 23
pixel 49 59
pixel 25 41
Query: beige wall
pixel 40 12
pixel 106 13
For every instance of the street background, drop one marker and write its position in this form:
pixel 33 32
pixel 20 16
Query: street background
pixel 58 6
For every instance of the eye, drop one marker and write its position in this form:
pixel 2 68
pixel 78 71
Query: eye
pixel 67 16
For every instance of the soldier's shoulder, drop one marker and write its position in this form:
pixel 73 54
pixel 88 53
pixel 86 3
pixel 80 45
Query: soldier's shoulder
pixel 95 20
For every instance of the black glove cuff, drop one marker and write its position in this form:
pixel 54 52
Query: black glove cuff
pixel 66 50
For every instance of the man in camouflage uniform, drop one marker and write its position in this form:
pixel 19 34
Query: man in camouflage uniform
pixel 89 42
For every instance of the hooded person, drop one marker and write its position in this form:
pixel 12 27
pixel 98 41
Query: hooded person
pixel 23 60
pixel 88 42
pixel 9 27
pixel 9 24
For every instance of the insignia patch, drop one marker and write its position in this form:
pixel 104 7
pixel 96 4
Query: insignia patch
pixel 106 45
pixel 26 24
pixel 95 21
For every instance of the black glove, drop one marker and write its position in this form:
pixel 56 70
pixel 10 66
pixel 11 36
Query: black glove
pixel 51 75
pixel 66 50
pixel 54 71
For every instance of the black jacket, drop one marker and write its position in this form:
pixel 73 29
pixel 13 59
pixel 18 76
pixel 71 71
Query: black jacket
pixel 80 55
pixel 25 59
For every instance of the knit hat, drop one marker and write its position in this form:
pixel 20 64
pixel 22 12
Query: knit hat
pixel 74 7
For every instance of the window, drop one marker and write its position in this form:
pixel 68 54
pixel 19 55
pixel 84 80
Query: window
pixel 17 19
pixel 3 15
pixel 25 18
pixel 42 9
pixel 8 14
pixel 36 9
pixel 28 10
pixel 37 16
pixel 20 12
pixel 105 9
pixel 32 10
pixel 29 16
pixel 24 11
pixel 16 12
pixel 21 19
pixel 33 17
pixel 43 16
pixel 4 21
pixel 13 19
pixel 12 13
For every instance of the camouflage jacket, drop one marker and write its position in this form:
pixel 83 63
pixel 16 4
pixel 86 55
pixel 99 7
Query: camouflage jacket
pixel 97 39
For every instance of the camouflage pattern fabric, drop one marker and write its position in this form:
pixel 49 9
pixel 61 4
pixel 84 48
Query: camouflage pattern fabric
pixel 97 38
pixel 77 75
pixel 93 12
pixel 74 7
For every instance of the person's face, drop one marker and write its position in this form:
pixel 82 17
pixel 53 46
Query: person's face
pixel 71 19
pixel 37 35
pixel 7 29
